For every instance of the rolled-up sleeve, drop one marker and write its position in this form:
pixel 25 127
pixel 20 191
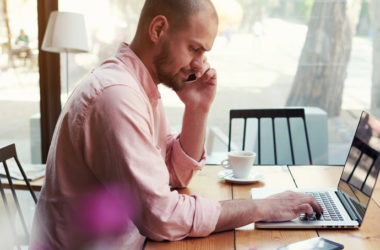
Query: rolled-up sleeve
pixel 119 148
pixel 205 211
pixel 181 166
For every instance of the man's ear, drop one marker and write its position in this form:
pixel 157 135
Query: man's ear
pixel 158 26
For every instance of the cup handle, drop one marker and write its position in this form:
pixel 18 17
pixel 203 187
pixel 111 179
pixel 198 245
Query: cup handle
pixel 226 164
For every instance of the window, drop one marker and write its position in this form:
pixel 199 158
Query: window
pixel 19 78
pixel 267 54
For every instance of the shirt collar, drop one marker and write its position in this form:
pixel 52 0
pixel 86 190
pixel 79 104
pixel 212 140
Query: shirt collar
pixel 137 68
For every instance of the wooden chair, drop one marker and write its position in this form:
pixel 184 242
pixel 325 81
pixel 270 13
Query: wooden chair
pixel 9 153
pixel 272 114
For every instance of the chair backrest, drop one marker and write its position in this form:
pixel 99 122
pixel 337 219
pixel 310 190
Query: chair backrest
pixel 272 114
pixel 8 153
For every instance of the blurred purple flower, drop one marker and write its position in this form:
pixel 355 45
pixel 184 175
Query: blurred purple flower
pixel 105 212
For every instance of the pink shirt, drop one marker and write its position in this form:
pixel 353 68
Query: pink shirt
pixel 113 135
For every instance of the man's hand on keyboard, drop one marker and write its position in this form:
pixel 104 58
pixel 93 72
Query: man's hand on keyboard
pixel 287 206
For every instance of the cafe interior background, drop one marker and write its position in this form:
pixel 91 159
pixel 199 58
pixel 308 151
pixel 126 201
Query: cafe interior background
pixel 268 54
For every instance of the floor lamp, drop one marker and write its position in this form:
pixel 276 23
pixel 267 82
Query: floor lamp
pixel 65 33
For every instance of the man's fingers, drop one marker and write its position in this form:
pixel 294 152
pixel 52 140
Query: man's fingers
pixel 314 204
pixel 205 68
pixel 202 70
pixel 303 209
pixel 210 74
pixel 310 205
pixel 317 207
pixel 309 199
pixel 291 204
pixel 204 59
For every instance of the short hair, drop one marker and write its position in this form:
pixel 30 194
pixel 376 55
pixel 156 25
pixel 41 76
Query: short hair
pixel 177 12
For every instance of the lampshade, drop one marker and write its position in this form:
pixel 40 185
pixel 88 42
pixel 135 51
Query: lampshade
pixel 65 32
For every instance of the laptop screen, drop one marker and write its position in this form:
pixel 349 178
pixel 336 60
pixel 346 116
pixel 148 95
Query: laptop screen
pixel 362 165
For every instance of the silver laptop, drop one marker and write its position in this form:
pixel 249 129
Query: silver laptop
pixel 346 205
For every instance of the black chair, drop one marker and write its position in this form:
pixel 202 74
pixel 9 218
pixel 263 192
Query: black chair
pixel 272 114
pixel 9 153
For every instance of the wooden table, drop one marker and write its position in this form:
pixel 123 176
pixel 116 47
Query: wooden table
pixel 21 185
pixel 208 185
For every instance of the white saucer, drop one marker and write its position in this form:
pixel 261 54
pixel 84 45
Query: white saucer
pixel 228 176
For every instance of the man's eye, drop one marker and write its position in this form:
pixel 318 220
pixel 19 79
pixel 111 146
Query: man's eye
pixel 193 49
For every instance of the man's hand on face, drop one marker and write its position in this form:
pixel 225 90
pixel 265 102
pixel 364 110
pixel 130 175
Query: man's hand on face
pixel 287 206
pixel 199 94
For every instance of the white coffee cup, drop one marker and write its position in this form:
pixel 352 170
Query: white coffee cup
pixel 240 162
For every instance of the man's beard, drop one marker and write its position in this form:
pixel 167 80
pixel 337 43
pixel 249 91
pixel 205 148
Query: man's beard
pixel 162 60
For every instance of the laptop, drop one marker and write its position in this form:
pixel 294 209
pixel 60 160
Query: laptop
pixel 344 206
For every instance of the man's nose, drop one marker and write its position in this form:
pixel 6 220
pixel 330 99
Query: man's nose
pixel 197 64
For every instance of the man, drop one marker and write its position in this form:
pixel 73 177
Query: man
pixel 113 151
pixel 22 49
pixel 23 38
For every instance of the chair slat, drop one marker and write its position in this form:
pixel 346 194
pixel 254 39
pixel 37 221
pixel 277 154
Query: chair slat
pixel 274 142
pixel 244 133
pixel 259 138
pixel 290 140
pixel 271 114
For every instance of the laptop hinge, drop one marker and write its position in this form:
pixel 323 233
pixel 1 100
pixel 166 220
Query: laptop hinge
pixel 351 211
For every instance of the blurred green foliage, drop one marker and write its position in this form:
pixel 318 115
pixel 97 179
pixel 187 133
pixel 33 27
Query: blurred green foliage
pixel 364 25
pixel 296 10
pixel 303 9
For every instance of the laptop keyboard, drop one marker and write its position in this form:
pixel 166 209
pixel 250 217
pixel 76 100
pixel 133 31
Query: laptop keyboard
pixel 330 211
